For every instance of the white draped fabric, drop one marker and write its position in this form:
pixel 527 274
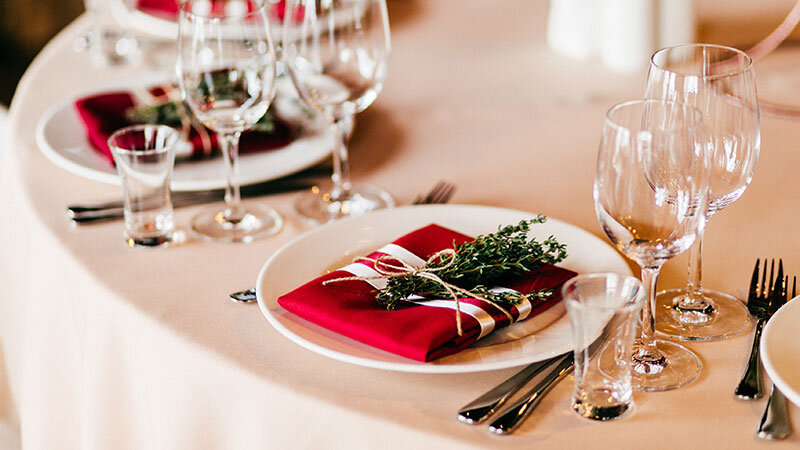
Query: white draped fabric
pixel 106 347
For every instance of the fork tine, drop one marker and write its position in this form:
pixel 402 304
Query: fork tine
pixel 446 193
pixel 754 282
pixel 778 294
pixel 425 198
pixel 766 289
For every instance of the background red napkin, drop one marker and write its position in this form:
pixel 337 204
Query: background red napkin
pixel 418 332
pixel 103 114
pixel 168 9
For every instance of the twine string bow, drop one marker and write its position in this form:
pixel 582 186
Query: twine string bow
pixel 389 267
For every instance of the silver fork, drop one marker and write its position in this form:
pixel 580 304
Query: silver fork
pixel 760 304
pixel 442 192
pixel 775 422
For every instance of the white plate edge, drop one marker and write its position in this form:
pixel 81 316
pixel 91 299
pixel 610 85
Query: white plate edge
pixel 769 367
pixel 418 367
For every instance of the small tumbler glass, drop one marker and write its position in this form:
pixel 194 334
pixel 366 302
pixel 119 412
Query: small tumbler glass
pixel 603 309
pixel 110 41
pixel 144 155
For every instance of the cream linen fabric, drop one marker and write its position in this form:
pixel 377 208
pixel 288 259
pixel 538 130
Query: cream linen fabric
pixel 106 347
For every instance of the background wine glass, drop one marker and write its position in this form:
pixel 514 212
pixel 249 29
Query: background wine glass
pixel 226 72
pixel 650 196
pixel 336 53
pixel 720 82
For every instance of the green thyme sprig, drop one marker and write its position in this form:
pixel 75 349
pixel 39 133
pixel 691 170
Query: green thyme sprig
pixel 487 261
pixel 168 114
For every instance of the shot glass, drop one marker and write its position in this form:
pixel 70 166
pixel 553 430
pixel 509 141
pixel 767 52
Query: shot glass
pixel 603 310
pixel 144 155
pixel 110 42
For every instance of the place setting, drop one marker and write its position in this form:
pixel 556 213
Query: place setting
pixel 263 99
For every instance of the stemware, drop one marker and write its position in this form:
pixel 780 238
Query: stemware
pixel 650 196
pixel 720 82
pixel 226 71
pixel 336 54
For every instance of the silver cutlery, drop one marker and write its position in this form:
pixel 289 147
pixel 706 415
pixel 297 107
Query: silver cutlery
pixel 440 193
pixel 93 212
pixel 508 421
pixel 763 300
pixel 487 404
pixel 775 422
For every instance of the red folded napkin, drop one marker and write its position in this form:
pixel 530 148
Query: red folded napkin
pixel 168 9
pixel 423 332
pixel 104 113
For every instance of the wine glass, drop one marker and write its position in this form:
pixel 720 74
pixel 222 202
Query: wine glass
pixel 720 82
pixel 650 196
pixel 226 72
pixel 336 53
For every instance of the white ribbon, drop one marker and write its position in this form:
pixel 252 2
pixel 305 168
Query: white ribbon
pixel 386 267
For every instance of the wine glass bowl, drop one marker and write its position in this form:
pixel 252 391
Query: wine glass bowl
pixel 226 69
pixel 720 82
pixel 336 54
pixel 650 196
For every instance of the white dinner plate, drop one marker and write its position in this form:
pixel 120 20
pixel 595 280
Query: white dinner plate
pixel 61 137
pixel 312 253
pixel 780 350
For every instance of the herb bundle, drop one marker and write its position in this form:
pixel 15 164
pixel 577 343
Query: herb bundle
pixel 480 264
pixel 168 114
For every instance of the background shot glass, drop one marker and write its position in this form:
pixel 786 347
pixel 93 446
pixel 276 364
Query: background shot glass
pixel 110 42
pixel 144 155
pixel 602 309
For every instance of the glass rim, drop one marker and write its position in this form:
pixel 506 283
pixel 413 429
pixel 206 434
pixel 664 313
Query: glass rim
pixel 174 137
pixel 261 6
pixel 638 303
pixel 739 70
pixel 609 121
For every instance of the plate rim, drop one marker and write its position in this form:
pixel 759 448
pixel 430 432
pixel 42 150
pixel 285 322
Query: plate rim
pixel 411 366
pixel 112 178
pixel 792 394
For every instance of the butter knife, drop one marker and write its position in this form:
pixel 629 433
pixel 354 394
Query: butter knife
pixel 484 406
pixel 104 211
pixel 510 419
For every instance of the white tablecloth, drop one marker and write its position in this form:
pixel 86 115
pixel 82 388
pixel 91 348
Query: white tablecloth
pixel 106 347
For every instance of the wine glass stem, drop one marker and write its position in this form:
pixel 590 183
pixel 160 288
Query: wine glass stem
pixel 229 143
pixel 647 348
pixel 694 287
pixel 341 161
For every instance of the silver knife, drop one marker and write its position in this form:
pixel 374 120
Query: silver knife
pixel 484 406
pixel 510 419
pixel 104 211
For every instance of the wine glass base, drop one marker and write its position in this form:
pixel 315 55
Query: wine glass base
pixel 726 317
pixel 681 367
pixel 259 221
pixel 316 206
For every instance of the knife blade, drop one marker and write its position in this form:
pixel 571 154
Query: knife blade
pixel 104 211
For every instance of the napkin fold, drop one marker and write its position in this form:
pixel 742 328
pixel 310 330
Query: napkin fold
pixel 424 331
pixel 104 113
pixel 168 9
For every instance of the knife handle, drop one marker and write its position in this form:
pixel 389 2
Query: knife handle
pixel 513 417
pixel 482 407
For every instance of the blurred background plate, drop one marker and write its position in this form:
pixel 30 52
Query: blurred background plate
pixel 60 135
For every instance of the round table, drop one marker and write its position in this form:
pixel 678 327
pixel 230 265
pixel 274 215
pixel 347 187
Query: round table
pixel 107 347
